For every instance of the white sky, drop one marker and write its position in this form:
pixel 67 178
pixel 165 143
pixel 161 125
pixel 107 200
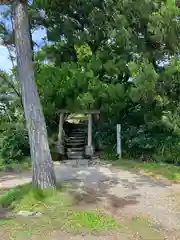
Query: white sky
pixel 5 63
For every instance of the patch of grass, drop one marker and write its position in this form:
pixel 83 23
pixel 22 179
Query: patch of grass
pixel 158 170
pixel 9 198
pixel 5 222
pixel 91 220
pixel 58 212
pixel 28 197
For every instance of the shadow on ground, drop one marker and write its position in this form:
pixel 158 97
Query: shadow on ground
pixel 100 187
pixel 92 186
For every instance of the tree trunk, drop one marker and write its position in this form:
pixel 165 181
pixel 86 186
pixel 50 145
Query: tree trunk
pixel 42 165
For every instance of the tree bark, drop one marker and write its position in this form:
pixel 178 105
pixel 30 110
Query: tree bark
pixel 42 165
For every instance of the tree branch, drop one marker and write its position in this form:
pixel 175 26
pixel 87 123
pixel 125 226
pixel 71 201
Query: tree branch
pixel 10 84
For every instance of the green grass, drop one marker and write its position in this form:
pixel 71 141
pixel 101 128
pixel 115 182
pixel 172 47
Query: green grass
pixel 168 171
pixel 58 212
pixel 92 220
pixel 14 195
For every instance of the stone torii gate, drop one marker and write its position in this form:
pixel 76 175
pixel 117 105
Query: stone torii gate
pixel 89 149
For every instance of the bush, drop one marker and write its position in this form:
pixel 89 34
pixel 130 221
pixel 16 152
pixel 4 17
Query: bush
pixel 14 144
pixel 146 142
pixel 159 145
pixel 168 151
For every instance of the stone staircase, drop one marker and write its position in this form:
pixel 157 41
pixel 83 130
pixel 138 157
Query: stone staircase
pixel 75 142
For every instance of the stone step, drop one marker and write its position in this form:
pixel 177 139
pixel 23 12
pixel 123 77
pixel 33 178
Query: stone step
pixel 76 137
pixel 72 138
pixel 79 125
pixel 75 141
pixel 79 136
pixel 70 151
pixel 74 149
pixel 75 154
pixel 74 144
pixel 76 163
pixel 79 128
pixel 76 157
pixel 78 131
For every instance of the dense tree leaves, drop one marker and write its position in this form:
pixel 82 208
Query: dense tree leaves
pixel 119 56
pixel 132 59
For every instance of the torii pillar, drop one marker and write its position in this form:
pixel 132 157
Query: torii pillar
pixel 60 146
pixel 89 150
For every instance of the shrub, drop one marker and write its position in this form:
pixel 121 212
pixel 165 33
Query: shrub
pixel 168 151
pixel 14 144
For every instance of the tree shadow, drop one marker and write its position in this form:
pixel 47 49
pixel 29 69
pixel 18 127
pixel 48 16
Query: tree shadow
pixel 91 187
pixel 96 185
pixel 92 197
pixel 5 214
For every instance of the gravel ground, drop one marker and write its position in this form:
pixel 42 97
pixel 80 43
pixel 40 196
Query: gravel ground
pixel 128 192
pixel 121 191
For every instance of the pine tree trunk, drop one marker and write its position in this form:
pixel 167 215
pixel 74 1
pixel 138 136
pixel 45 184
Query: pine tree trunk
pixel 43 173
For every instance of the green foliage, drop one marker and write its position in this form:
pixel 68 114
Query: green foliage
pixel 15 195
pixel 94 221
pixel 153 143
pixel 168 150
pixel 14 144
pixel 119 57
pixel 84 52
pixel 144 78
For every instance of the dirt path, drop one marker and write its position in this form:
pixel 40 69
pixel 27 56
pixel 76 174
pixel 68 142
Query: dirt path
pixel 124 191
pixel 120 192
